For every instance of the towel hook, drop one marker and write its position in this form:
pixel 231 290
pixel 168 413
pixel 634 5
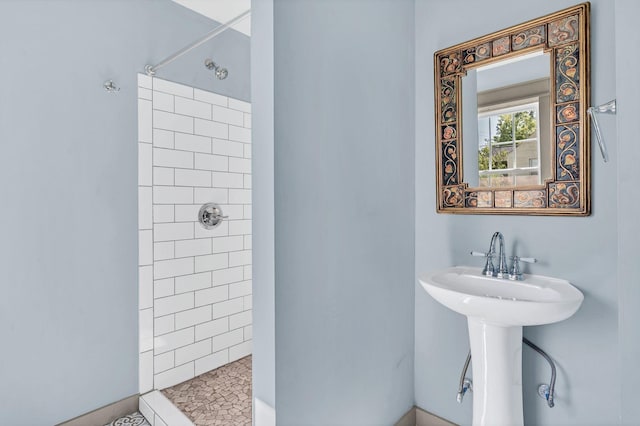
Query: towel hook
pixel 110 86
pixel 606 108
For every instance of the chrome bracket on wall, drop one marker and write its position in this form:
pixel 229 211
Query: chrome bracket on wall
pixel 210 216
pixel 607 108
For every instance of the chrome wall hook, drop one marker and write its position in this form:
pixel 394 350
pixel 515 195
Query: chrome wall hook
pixel 606 108
pixel 110 86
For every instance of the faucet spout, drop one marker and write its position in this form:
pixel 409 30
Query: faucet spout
pixel 489 270
pixel 502 271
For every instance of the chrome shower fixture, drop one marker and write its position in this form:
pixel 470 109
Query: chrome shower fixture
pixel 221 73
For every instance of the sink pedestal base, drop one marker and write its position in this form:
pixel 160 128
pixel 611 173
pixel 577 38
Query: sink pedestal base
pixel 496 356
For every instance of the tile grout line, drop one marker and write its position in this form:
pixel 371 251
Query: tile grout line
pixel 199 117
pixel 208 304
pixel 199 100
pixel 209 354
pixel 203 322
pixel 198 152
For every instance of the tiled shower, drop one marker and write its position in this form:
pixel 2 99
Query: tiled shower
pixel 194 283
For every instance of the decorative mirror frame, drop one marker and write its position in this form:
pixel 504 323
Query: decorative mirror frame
pixel 565 36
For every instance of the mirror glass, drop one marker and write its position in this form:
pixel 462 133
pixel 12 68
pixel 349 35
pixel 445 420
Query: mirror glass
pixel 506 106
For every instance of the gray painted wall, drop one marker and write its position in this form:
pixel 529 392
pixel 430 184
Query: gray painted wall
pixel 582 250
pixel 627 65
pixel 344 211
pixel 68 245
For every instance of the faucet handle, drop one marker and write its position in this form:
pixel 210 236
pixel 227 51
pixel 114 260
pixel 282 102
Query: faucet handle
pixel 489 269
pixel 515 274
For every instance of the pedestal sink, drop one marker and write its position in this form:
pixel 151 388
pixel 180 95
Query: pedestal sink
pixel 496 310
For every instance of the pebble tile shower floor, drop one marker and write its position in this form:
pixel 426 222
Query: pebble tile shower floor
pixel 219 397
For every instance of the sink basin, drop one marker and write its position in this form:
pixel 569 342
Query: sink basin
pixel 496 310
pixel 534 301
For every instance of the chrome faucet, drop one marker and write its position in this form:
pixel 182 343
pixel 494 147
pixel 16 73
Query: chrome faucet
pixel 489 270
pixel 502 271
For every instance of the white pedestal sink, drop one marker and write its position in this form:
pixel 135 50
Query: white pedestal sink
pixel 496 310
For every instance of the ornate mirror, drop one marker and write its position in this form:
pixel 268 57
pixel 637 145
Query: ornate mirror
pixel 523 93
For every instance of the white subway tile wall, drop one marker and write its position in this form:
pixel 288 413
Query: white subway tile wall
pixel 145 371
pixel 145 93
pixel 194 284
pixel 145 236
pixel 145 319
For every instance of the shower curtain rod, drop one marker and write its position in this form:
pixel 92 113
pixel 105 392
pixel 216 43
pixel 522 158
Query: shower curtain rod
pixel 151 69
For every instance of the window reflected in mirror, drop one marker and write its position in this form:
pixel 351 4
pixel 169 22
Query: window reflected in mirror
pixel 509 145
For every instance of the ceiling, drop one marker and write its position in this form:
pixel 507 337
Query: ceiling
pixel 222 11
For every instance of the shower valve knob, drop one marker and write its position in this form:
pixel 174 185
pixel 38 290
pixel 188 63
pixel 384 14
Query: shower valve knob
pixel 210 215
